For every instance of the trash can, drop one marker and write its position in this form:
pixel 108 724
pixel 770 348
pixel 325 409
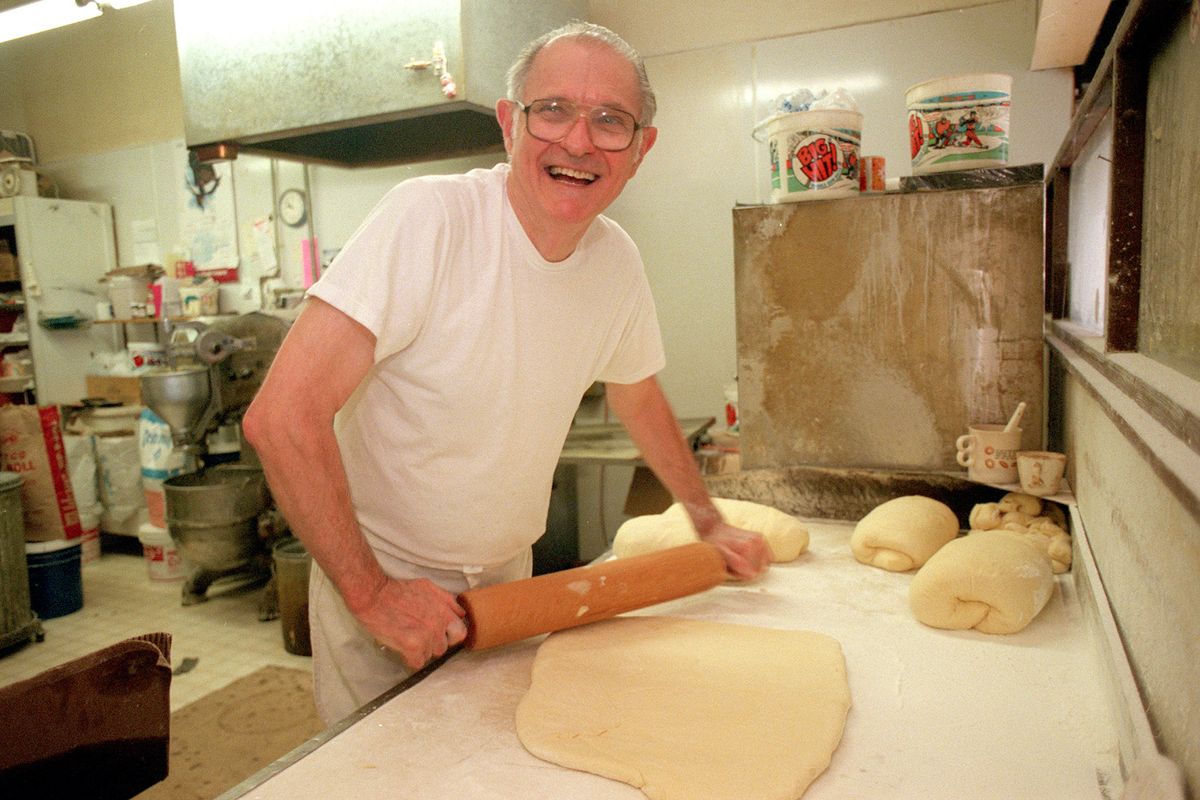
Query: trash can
pixel 17 621
pixel 292 564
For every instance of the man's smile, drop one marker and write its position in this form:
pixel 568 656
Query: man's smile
pixel 573 176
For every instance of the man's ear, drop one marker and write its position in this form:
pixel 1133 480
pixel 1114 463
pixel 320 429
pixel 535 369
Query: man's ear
pixel 649 137
pixel 505 116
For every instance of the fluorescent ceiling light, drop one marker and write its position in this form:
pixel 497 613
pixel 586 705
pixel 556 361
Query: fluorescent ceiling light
pixel 42 15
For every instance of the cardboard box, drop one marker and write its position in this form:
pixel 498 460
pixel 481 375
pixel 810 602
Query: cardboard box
pixel 646 495
pixel 9 270
pixel 125 389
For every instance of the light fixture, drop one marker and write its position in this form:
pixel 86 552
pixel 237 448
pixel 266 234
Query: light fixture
pixel 44 15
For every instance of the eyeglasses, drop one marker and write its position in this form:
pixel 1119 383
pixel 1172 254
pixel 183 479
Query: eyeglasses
pixel 551 121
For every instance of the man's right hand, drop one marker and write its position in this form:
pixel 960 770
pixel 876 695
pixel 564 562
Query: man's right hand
pixel 416 618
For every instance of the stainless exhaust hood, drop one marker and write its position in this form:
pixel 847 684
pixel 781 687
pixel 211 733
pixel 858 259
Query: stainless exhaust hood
pixel 353 82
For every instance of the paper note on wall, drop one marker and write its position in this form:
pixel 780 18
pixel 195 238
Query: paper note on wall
pixel 310 262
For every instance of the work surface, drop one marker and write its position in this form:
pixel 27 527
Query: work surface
pixel 936 714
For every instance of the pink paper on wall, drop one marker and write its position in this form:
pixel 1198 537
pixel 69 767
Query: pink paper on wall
pixel 309 257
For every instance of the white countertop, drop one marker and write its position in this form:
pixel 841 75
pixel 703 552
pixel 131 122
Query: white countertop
pixel 936 714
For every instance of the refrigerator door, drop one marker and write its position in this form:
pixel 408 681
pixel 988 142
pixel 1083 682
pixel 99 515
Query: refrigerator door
pixel 65 247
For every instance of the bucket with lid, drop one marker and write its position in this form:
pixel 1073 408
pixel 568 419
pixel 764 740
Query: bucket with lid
pixel 813 154
pixel 959 122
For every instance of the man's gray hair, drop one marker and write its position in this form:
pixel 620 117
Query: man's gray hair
pixel 576 29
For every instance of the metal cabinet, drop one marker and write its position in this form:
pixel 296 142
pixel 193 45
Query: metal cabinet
pixel 872 330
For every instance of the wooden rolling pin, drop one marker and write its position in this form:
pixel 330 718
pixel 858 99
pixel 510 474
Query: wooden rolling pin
pixel 509 612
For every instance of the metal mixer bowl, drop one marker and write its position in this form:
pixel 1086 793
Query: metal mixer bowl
pixel 213 516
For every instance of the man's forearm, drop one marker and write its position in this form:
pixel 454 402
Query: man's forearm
pixel 647 414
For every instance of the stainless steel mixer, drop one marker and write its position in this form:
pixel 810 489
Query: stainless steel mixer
pixel 221 518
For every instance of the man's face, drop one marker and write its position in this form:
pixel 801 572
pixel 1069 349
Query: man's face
pixel 568 183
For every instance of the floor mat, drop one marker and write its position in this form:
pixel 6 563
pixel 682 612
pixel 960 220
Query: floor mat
pixel 226 736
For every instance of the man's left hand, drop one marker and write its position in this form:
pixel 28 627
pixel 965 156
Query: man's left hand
pixel 746 553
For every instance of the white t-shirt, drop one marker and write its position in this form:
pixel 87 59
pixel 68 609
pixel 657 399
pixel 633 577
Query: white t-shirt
pixel 483 351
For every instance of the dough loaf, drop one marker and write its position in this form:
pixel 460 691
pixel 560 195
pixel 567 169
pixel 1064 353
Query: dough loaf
pixel 993 581
pixel 903 533
pixel 785 535
pixel 688 709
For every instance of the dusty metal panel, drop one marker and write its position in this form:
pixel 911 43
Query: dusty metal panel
pixel 1169 318
pixel 872 330
pixel 1125 202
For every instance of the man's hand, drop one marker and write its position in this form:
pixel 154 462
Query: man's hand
pixel 415 618
pixel 746 553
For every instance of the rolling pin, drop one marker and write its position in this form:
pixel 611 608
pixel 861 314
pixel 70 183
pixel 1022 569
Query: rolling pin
pixel 509 612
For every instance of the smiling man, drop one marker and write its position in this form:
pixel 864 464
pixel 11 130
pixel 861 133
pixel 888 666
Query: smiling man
pixel 411 423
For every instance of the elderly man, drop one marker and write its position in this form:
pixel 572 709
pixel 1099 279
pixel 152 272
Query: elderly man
pixel 452 339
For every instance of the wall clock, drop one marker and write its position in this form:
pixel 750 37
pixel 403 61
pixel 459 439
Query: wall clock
pixel 293 208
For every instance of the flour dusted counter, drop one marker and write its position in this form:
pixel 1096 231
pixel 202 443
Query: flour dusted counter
pixel 935 714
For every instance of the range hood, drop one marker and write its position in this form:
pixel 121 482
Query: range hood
pixel 353 82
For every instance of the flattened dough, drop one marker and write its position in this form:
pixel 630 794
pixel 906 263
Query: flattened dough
pixel 785 535
pixel 993 581
pixel 903 533
pixel 688 709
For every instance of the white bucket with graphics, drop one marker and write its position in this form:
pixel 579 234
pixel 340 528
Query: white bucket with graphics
pixel 959 122
pixel 814 154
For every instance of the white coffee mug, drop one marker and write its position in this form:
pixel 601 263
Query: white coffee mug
pixel 989 453
pixel 1041 471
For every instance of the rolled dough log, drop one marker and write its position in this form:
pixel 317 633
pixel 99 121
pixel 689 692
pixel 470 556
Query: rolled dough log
pixel 688 709
pixel 785 534
pixel 903 533
pixel 992 581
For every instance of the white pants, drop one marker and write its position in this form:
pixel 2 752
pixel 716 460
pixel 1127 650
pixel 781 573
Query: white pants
pixel 349 669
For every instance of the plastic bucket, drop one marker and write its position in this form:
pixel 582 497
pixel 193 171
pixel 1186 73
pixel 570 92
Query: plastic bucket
pixel 163 562
pixel 959 122
pixel 292 564
pixel 814 154
pixel 55 579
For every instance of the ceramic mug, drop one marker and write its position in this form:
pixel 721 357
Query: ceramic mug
pixel 1041 471
pixel 989 453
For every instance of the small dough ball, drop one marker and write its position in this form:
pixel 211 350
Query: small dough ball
pixel 1054 512
pixel 1046 525
pixel 785 534
pixel 1059 551
pixel 1016 517
pixel 903 533
pixel 985 516
pixel 1054 541
pixel 1025 503
pixel 649 533
pixel 992 581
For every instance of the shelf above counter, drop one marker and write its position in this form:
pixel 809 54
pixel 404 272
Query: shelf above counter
pixel 16 383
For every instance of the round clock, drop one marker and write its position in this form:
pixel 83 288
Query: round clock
pixel 293 207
